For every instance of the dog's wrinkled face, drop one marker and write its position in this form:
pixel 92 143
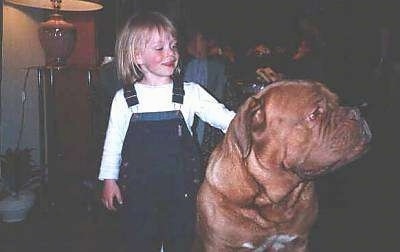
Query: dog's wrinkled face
pixel 315 134
pixel 258 186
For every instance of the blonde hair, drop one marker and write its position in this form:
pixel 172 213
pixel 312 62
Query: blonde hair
pixel 134 36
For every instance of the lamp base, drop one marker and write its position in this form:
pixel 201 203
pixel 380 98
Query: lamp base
pixel 57 38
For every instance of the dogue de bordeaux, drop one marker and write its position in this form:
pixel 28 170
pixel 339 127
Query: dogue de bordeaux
pixel 258 193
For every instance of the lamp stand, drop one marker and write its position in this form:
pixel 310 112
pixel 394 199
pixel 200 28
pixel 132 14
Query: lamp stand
pixel 57 38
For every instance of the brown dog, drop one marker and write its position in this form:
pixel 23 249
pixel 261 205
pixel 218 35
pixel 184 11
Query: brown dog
pixel 258 193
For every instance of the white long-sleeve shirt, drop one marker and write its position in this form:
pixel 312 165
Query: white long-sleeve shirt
pixel 155 99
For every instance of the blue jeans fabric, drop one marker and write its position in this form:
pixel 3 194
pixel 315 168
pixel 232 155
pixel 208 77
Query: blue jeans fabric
pixel 160 163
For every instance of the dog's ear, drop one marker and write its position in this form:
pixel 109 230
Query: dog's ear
pixel 248 118
pixel 226 164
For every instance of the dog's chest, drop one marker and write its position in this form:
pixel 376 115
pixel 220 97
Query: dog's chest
pixel 273 243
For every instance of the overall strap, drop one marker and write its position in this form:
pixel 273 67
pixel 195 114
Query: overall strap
pixel 130 95
pixel 177 91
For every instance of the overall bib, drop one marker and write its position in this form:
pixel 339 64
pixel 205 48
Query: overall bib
pixel 159 177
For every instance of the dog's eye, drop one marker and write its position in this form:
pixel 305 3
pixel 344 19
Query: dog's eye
pixel 315 114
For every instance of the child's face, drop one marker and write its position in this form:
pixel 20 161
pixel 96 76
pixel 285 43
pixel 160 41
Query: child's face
pixel 158 58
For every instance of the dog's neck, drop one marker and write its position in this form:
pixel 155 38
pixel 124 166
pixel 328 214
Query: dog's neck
pixel 226 168
pixel 276 182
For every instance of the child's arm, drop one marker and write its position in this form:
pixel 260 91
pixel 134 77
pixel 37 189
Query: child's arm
pixel 212 111
pixel 117 126
pixel 111 159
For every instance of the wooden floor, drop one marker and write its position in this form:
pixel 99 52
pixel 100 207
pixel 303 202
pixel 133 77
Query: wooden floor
pixel 358 210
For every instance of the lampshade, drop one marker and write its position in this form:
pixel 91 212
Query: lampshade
pixel 56 35
pixel 63 5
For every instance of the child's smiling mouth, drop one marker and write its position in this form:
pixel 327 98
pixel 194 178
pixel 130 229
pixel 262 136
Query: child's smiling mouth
pixel 169 64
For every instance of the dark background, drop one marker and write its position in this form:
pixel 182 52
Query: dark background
pixel 242 22
pixel 350 29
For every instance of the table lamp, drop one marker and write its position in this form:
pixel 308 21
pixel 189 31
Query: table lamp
pixel 57 36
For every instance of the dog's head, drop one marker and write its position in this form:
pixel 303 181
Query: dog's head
pixel 299 126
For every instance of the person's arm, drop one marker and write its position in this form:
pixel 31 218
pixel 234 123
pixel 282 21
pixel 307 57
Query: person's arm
pixel 211 111
pixel 111 159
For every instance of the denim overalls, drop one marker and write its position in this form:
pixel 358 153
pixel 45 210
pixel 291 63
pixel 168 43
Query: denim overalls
pixel 159 177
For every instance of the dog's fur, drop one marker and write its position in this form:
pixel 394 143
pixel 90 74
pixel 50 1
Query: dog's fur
pixel 258 193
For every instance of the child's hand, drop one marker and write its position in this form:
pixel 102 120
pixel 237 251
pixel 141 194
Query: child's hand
pixel 111 191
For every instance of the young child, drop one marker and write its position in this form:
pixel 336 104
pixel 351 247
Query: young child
pixel 150 164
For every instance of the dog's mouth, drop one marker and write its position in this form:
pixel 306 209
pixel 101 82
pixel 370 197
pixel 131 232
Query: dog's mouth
pixel 305 174
pixel 353 153
pixel 358 151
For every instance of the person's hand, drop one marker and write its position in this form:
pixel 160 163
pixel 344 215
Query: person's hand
pixel 111 191
pixel 268 74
